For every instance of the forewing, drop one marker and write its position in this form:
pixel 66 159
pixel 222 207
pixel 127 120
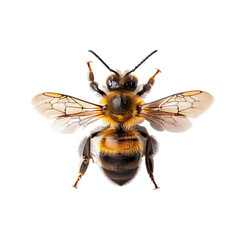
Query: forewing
pixel 69 112
pixel 171 113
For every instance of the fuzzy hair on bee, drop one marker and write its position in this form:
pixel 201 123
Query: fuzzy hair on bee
pixel 122 142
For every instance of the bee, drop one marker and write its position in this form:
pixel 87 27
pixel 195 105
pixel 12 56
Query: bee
pixel 122 141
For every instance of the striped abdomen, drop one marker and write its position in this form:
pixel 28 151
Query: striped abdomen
pixel 120 155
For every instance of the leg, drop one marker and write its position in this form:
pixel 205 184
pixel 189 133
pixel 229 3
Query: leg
pixel 149 84
pixel 93 84
pixel 149 159
pixel 86 155
pixel 150 149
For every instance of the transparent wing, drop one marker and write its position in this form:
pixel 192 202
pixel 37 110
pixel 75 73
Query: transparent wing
pixel 171 113
pixel 69 112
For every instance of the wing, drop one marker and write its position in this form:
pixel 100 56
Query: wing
pixel 171 113
pixel 69 112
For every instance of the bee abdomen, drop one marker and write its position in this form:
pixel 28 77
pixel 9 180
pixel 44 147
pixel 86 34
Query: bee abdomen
pixel 120 155
pixel 120 168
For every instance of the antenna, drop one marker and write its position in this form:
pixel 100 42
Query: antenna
pixel 141 62
pixel 103 62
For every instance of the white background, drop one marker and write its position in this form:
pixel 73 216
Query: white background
pixel 44 47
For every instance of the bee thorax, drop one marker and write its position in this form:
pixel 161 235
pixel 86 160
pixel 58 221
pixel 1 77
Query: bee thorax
pixel 120 107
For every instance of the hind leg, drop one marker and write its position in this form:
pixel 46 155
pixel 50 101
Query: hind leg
pixel 150 149
pixel 149 159
pixel 86 155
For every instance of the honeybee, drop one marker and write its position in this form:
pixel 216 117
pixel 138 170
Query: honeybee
pixel 122 141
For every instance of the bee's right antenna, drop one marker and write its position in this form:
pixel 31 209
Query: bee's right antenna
pixel 103 62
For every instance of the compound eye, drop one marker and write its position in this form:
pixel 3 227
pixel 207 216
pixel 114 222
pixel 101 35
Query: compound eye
pixel 113 82
pixel 130 83
pixel 109 82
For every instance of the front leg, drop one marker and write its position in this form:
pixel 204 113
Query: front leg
pixel 149 84
pixel 93 84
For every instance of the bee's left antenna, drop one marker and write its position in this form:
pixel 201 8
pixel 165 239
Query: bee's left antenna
pixel 141 62
pixel 103 62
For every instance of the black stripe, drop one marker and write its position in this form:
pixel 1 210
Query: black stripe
pixel 119 160
pixel 121 176
pixel 120 168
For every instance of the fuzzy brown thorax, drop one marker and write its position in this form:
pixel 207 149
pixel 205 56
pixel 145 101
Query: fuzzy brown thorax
pixel 121 108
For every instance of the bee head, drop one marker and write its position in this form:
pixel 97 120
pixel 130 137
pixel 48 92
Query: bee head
pixel 121 82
